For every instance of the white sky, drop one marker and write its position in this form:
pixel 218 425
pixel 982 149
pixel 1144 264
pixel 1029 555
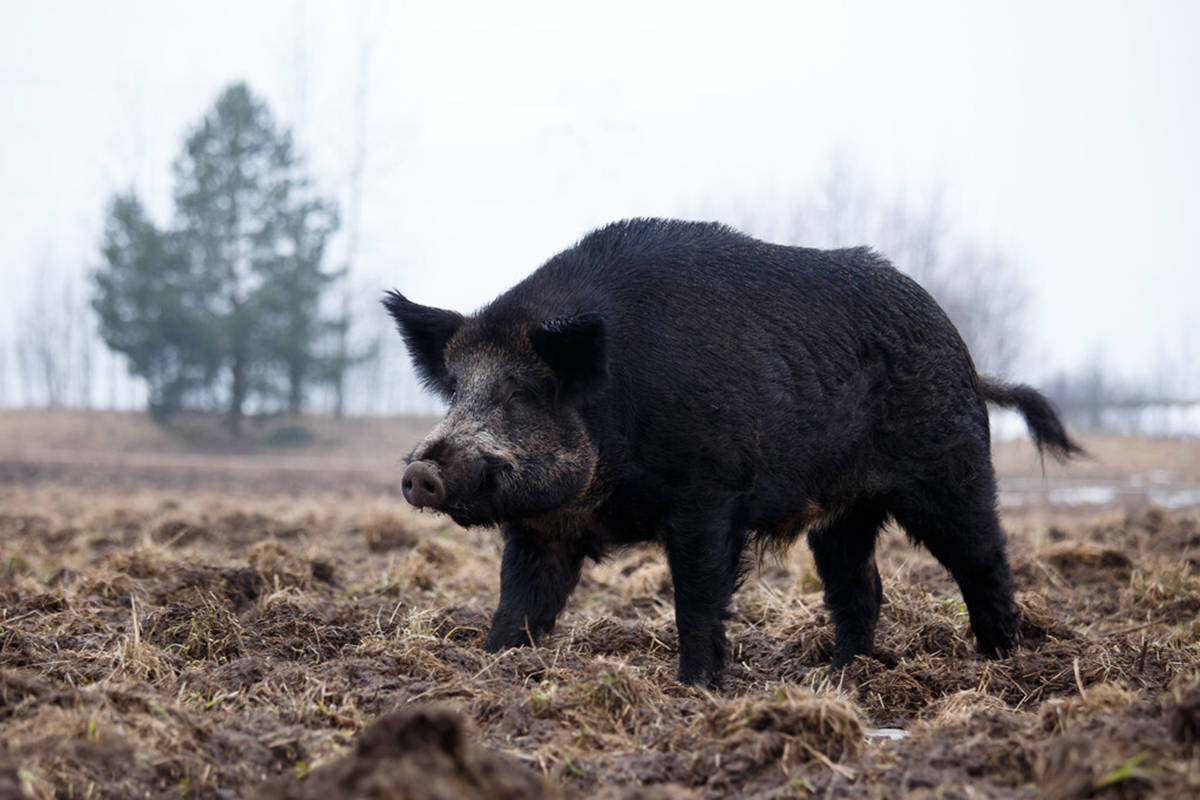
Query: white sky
pixel 1061 133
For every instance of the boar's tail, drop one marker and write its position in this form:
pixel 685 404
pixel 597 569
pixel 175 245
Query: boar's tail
pixel 1044 425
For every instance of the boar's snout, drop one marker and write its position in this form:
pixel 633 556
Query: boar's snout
pixel 422 484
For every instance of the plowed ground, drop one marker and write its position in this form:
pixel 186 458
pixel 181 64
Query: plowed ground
pixel 301 638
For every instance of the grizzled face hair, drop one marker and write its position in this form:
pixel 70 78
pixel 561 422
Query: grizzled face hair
pixel 513 444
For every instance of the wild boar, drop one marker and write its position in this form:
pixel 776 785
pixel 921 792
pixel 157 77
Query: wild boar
pixel 683 383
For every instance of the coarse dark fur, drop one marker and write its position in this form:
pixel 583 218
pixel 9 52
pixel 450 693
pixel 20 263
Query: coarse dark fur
pixel 684 383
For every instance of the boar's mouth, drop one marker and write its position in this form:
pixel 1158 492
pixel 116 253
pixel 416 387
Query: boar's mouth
pixel 492 502
pixel 472 491
pixel 479 505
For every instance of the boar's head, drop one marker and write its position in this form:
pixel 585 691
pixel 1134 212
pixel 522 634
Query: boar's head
pixel 513 444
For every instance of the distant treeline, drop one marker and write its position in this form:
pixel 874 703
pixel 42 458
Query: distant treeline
pixel 1090 398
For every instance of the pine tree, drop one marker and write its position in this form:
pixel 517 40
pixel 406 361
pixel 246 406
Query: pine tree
pixel 247 250
pixel 147 299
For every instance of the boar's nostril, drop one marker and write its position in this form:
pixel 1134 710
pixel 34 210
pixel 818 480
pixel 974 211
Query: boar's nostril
pixel 422 484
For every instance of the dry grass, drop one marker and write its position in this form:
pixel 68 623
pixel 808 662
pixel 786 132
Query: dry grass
pixel 318 639
pixel 197 643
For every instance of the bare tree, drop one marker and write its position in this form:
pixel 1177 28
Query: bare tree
pixel 115 371
pixel 55 345
pixel 43 344
pixel 84 346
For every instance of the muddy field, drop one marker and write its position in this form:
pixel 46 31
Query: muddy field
pixel 289 633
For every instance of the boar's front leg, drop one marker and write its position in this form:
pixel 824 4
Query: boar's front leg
pixel 705 558
pixel 537 574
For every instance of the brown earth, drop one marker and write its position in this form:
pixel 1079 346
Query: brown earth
pixel 276 630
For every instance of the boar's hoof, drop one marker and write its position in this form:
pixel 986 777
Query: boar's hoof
pixel 500 638
pixel 422 484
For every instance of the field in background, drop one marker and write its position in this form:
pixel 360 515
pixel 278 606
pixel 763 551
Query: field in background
pixel 181 622
pixel 106 447
pixel 103 446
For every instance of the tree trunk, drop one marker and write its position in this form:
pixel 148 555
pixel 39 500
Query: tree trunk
pixel 339 378
pixel 237 394
pixel 295 389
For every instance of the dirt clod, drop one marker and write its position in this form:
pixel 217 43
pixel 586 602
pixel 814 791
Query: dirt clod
pixel 1184 714
pixel 418 753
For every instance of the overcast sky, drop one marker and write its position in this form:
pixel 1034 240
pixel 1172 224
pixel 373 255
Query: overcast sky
pixel 1063 134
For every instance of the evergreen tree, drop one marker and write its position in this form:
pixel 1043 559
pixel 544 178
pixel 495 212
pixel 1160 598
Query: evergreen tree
pixel 293 284
pixel 147 299
pixel 246 255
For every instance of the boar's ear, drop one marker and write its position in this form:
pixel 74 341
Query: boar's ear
pixel 426 331
pixel 574 348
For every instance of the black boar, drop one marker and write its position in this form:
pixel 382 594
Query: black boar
pixel 683 383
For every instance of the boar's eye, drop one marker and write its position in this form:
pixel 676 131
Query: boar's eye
pixel 513 394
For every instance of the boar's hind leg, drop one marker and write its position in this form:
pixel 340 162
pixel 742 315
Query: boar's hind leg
pixel 844 552
pixel 963 533
pixel 705 559
pixel 537 575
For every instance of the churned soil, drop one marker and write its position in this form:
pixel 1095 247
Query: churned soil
pixel 307 637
